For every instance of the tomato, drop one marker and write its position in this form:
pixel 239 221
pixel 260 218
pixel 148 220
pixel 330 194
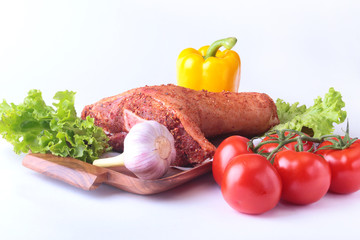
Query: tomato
pixel 251 184
pixel 305 176
pixel 345 167
pixel 229 148
pixel 269 147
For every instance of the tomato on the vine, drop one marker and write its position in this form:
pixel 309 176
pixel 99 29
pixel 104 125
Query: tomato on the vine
pixel 269 147
pixel 229 148
pixel 251 184
pixel 345 167
pixel 305 176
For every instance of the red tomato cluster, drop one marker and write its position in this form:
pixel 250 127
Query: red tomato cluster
pixel 251 184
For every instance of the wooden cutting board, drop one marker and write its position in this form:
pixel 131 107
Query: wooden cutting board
pixel 88 177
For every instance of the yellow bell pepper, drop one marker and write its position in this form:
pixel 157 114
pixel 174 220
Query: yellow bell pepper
pixel 209 68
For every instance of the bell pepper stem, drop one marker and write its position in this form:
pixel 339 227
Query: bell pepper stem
pixel 227 43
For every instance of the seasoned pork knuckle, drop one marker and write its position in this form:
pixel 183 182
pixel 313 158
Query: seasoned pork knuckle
pixel 191 116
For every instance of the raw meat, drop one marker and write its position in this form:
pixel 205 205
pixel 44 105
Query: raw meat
pixel 191 116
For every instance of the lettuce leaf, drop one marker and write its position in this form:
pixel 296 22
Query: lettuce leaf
pixel 39 128
pixel 316 120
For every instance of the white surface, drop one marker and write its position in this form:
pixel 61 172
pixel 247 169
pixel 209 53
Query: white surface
pixel 101 48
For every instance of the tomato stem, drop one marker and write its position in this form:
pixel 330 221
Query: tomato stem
pixel 286 136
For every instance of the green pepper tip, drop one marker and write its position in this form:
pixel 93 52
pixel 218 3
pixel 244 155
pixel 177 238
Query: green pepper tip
pixel 230 42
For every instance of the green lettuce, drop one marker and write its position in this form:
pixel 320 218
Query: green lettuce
pixel 316 120
pixel 39 128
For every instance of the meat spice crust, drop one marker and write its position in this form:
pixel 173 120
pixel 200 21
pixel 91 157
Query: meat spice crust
pixel 191 116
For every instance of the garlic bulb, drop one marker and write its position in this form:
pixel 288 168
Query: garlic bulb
pixel 149 150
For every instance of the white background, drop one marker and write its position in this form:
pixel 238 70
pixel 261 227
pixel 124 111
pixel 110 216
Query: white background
pixel 291 50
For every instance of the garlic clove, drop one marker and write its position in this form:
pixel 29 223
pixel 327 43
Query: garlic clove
pixel 147 166
pixel 149 150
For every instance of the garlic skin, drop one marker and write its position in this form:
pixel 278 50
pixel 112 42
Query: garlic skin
pixel 149 150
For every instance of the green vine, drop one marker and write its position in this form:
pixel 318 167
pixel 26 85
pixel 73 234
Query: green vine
pixel 285 136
